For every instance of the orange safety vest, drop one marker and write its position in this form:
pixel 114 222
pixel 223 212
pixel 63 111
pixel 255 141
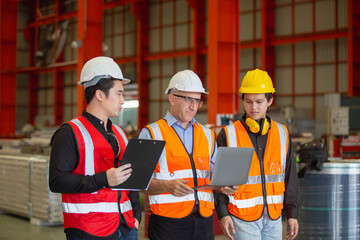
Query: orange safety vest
pixel 96 213
pixel 248 202
pixel 176 163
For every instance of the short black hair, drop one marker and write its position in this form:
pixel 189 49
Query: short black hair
pixel 267 95
pixel 104 85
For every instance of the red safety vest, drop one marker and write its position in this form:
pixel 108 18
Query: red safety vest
pixel 248 202
pixel 175 163
pixel 96 213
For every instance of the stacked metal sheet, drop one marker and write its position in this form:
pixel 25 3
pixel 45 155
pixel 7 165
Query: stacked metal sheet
pixel 330 202
pixel 24 188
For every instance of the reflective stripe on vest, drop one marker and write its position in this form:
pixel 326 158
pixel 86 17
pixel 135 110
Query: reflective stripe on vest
pixel 252 202
pixel 105 207
pixel 125 206
pixel 232 142
pixel 89 148
pixel 84 208
pixel 208 135
pixel 158 136
pixel 182 174
pixel 121 133
pixel 283 146
pixel 169 198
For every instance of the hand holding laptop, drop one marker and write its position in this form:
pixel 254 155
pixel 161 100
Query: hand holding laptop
pixel 229 190
pixel 232 167
pixel 178 187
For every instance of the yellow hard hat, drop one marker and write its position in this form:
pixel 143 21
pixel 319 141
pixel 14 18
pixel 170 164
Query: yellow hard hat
pixel 257 81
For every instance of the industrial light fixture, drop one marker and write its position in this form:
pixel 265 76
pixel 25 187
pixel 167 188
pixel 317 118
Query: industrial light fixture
pixel 131 104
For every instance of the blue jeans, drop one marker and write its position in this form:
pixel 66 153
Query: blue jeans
pixel 262 229
pixel 132 235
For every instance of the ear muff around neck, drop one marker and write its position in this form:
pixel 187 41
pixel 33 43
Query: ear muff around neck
pixel 255 127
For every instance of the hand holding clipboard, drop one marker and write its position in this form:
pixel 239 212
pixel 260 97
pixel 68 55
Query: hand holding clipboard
pixel 143 155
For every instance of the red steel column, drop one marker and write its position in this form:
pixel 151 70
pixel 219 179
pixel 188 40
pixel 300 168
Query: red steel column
pixel 223 57
pixel 267 32
pixel 8 32
pixel 58 87
pixel 58 96
pixel 141 12
pixel 353 48
pixel 198 7
pixel 32 37
pixel 90 33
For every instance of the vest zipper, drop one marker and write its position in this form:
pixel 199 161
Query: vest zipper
pixel 195 177
pixel 263 183
pixel 192 165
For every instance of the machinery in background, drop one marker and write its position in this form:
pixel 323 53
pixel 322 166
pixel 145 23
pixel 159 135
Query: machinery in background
pixel 340 142
pixel 345 147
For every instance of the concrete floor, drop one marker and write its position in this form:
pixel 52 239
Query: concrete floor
pixel 18 228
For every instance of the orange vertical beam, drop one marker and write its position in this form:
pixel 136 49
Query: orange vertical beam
pixel 141 12
pixel 58 87
pixel 223 57
pixel 8 32
pixel 267 32
pixel 31 35
pixel 198 7
pixel 90 34
pixel 353 48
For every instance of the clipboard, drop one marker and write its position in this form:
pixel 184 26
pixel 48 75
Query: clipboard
pixel 143 154
pixel 232 165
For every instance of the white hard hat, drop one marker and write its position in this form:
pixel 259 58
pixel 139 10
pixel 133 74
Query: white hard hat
pixel 186 81
pixel 98 68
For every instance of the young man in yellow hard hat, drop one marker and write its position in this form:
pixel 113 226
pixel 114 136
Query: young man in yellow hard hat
pixel 177 210
pixel 255 210
pixel 84 161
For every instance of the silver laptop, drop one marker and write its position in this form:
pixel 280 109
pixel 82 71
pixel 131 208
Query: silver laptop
pixel 232 165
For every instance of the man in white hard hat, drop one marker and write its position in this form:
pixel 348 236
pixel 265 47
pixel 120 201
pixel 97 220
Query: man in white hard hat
pixel 178 211
pixel 84 161
pixel 255 210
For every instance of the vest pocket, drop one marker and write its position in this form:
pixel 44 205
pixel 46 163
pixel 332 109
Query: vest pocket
pixel 278 188
pixel 107 160
pixel 177 161
pixel 209 205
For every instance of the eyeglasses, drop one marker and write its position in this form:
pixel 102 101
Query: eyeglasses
pixel 197 102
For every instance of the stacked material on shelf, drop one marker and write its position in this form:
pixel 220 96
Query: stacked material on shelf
pixel 24 188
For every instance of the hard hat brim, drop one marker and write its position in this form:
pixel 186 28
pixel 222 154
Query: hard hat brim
pixel 256 90
pixel 124 81
pixel 169 89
